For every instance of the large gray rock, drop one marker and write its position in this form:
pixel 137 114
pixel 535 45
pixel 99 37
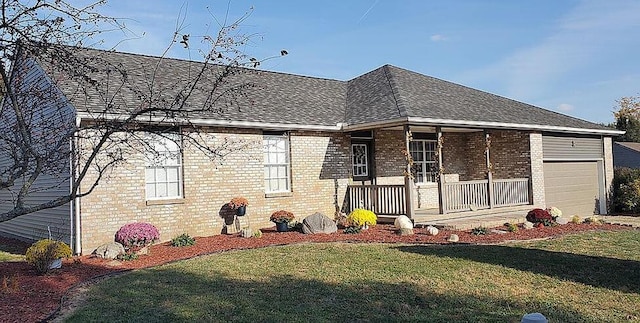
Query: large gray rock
pixel 562 220
pixel 110 250
pixel 403 222
pixel 318 223
pixel 528 225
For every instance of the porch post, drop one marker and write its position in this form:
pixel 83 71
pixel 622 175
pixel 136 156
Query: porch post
pixel 408 179
pixel 441 198
pixel 487 144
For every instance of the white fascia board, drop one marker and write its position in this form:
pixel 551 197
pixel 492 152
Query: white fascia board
pixel 221 123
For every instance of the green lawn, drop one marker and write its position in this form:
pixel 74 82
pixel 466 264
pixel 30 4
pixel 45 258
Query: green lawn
pixel 593 277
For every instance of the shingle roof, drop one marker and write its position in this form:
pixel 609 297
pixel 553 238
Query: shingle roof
pixel 631 145
pixel 384 94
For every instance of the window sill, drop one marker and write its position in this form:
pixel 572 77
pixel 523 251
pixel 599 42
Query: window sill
pixel 281 194
pixel 179 200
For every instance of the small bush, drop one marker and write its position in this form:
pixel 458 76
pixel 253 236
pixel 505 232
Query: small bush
pixel 536 216
pixel 257 234
pixel 137 235
pixel 593 220
pixel 511 227
pixel 480 231
pixel 183 240
pixel 576 219
pixel 352 229
pixel 554 211
pixel 361 217
pixel 625 190
pixel 41 254
pixel 128 256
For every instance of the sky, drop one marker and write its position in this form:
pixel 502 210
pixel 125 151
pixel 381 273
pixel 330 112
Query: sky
pixel 575 57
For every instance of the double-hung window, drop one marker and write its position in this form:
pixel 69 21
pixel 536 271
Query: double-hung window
pixel 163 171
pixel 423 153
pixel 276 163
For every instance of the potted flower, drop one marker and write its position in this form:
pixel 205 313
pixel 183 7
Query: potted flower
pixel 239 204
pixel 281 219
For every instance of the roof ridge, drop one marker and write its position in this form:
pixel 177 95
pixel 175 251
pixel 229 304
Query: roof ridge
pixel 402 111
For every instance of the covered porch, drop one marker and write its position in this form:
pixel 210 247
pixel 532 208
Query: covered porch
pixel 442 174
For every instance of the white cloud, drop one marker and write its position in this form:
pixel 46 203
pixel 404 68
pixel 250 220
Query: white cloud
pixel 565 107
pixel 437 38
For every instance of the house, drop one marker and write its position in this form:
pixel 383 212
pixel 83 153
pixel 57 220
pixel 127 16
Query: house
pixel 391 140
pixel 626 154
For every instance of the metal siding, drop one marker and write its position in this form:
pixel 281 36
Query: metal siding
pixel 37 225
pixel 625 157
pixel 572 187
pixel 571 148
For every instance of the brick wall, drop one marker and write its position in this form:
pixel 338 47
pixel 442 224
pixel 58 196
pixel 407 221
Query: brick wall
pixel 608 167
pixel 510 154
pixel 537 169
pixel 320 166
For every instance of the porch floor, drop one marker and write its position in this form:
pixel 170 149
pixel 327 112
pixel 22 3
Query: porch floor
pixel 469 220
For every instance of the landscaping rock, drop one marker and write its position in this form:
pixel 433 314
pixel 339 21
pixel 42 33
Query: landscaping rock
pixel 453 238
pixel 527 225
pixel 246 233
pixel 432 231
pixel 405 232
pixel 498 231
pixel 318 223
pixel 562 220
pixel 403 222
pixel 109 250
pixel 534 318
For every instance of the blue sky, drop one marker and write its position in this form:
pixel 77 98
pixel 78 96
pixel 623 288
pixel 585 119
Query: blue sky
pixel 571 56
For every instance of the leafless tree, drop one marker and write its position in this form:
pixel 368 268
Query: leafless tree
pixel 41 137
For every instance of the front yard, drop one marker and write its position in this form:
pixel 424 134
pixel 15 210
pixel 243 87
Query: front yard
pixel 586 277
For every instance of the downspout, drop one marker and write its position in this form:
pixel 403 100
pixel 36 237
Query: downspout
pixel 77 247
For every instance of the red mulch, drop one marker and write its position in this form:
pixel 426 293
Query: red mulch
pixel 35 297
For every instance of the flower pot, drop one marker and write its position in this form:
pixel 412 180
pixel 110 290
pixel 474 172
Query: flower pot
pixel 282 226
pixel 240 211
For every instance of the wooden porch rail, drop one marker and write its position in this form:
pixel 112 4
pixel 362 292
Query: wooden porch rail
pixel 465 196
pixel 381 199
pixel 511 192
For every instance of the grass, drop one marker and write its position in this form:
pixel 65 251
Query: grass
pixel 10 253
pixel 592 277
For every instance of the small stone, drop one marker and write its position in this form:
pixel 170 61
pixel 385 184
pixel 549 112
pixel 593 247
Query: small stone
pixel 110 250
pixel 453 238
pixel 403 222
pixel 527 225
pixel 318 223
pixel 405 232
pixel 246 233
pixel 432 231
pixel 534 318
pixel 498 231
pixel 562 220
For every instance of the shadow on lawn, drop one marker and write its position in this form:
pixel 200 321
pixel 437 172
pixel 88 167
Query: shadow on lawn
pixel 611 273
pixel 167 295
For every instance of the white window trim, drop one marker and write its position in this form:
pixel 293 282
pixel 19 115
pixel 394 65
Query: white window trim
pixel 426 165
pixel 366 160
pixel 178 165
pixel 286 164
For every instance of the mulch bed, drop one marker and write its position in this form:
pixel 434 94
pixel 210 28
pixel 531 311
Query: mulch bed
pixel 27 297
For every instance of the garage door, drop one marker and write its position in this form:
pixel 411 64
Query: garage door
pixel 572 187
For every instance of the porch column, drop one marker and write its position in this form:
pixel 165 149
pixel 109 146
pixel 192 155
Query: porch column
pixel 408 179
pixel 439 143
pixel 487 149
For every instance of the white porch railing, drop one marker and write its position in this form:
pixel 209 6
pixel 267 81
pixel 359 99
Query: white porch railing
pixel 476 195
pixel 465 196
pixel 511 192
pixel 381 199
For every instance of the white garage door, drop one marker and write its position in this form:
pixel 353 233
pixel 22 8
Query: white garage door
pixel 572 187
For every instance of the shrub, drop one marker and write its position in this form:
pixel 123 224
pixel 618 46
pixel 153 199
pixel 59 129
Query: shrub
pixel 576 219
pixel 593 220
pixel 281 216
pixel 511 227
pixel 128 256
pixel 554 211
pixel 257 234
pixel 183 240
pixel 137 235
pixel 237 202
pixel 42 253
pixel 361 217
pixel 480 231
pixel 536 216
pixel 352 229
pixel 625 190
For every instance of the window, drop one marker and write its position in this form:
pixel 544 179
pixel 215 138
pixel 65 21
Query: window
pixel 163 173
pixel 359 160
pixel 423 153
pixel 276 163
